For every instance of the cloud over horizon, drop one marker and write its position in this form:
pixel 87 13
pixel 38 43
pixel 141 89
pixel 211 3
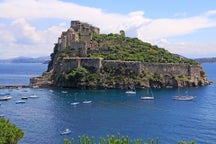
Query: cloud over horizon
pixel 20 35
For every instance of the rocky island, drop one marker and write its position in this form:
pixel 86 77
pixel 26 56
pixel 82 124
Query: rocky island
pixel 85 59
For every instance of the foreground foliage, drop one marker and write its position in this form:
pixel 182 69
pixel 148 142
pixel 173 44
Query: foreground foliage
pixel 84 139
pixel 9 133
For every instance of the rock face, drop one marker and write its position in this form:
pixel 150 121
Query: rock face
pixel 71 66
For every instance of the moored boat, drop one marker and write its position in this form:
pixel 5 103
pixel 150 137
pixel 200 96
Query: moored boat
pixel 183 98
pixel 87 101
pixel 33 96
pixel 4 98
pixel 75 103
pixel 65 132
pixel 149 95
pixel 24 97
pixel 147 98
pixel 20 102
pixel 130 92
pixel 64 92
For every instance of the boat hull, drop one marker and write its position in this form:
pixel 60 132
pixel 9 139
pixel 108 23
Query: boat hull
pixel 20 102
pixel 5 98
pixel 183 98
pixel 147 98
pixel 66 132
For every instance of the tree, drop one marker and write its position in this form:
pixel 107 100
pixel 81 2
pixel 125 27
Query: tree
pixel 9 133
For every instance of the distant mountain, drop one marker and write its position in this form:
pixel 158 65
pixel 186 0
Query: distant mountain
pixel 206 60
pixel 44 59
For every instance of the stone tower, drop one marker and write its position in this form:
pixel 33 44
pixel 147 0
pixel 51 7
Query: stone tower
pixel 78 37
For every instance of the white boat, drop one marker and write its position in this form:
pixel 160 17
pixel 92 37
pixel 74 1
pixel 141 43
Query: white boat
pixel 35 86
pixel 130 92
pixel 4 98
pixel 149 95
pixel 20 102
pixel 51 91
pixel 183 98
pixel 33 96
pixel 75 103
pixel 64 92
pixel 24 97
pixel 147 98
pixel 65 132
pixel 87 101
pixel 1 116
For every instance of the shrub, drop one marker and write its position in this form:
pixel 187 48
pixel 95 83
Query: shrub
pixel 9 133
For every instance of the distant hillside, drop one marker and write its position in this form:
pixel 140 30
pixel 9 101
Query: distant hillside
pixel 206 60
pixel 45 59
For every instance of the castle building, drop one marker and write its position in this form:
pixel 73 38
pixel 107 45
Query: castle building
pixel 78 37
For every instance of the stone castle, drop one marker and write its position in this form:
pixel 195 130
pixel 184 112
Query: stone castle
pixel 78 38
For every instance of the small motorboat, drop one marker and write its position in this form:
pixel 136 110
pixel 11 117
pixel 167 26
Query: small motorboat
pixel 1 115
pixel 4 98
pixel 33 96
pixel 35 86
pixel 24 97
pixel 20 102
pixel 147 98
pixel 75 103
pixel 64 92
pixel 87 101
pixel 65 132
pixel 130 92
pixel 183 98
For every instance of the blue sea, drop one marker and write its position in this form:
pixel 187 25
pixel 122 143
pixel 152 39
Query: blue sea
pixel 111 111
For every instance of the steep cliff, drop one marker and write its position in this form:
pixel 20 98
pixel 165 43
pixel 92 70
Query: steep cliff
pixel 84 58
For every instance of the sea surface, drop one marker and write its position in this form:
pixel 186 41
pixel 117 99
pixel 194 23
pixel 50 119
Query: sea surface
pixel 111 111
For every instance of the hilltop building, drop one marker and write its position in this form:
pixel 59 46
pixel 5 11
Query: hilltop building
pixel 78 38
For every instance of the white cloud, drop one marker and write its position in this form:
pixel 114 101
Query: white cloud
pixel 188 48
pixel 160 28
pixel 23 38
pixel 22 30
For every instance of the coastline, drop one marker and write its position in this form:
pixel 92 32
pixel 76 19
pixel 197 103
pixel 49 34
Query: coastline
pixel 14 86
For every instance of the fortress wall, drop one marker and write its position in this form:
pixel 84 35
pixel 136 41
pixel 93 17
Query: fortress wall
pixel 69 64
pixel 167 69
pixel 134 66
pixel 91 63
pixel 195 71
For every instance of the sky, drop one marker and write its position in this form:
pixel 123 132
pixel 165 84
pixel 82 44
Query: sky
pixel 30 28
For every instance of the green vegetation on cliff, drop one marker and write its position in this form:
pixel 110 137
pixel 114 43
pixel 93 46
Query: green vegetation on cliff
pixel 118 47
